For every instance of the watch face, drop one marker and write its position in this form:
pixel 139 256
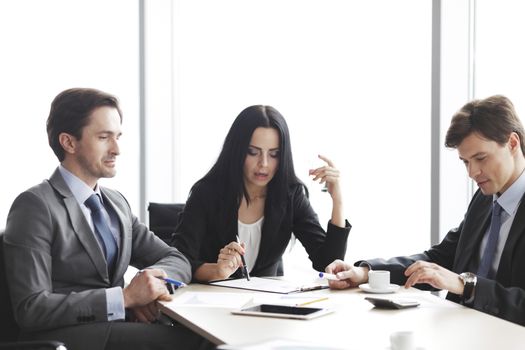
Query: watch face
pixel 468 277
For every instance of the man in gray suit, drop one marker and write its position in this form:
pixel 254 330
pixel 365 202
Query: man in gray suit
pixel 68 242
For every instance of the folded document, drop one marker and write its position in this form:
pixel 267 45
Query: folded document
pixel 269 285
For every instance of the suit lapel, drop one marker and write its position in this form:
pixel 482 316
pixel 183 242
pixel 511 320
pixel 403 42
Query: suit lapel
pixel 227 219
pixel 80 225
pixel 474 228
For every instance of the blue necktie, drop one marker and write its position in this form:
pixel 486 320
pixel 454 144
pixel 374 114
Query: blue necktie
pixel 492 241
pixel 102 229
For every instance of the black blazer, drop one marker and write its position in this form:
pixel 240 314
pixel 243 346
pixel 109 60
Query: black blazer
pixel 503 297
pixel 206 226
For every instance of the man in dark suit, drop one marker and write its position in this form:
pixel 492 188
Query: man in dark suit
pixel 68 242
pixel 481 263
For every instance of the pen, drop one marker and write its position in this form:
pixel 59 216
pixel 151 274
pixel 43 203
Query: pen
pixel 307 289
pixel 312 301
pixel 244 268
pixel 176 283
pixel 328 276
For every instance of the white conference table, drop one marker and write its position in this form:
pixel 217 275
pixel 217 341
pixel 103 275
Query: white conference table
pixel 437 323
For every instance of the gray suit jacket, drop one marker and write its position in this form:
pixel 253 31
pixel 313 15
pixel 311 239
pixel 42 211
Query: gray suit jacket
pixel 56 270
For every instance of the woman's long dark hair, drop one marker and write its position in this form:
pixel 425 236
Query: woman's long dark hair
pixel 227 172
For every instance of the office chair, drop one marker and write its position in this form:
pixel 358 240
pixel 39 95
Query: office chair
pixel 164 218
pixel 9 330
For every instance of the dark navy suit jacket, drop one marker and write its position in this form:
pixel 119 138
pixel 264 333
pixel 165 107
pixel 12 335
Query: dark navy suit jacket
pixel 504 296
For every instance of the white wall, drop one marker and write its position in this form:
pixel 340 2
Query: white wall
pixel 49 46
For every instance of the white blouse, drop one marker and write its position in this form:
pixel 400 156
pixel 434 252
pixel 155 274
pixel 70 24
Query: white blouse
pixel 250 235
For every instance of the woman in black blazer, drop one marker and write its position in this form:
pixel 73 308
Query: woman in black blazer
pixel 252 192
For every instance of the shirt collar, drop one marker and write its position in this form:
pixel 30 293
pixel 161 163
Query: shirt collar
pixel 511 198
pixel 81 191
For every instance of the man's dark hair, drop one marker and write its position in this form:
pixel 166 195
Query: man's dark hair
pixel 493 118
pixel 70 111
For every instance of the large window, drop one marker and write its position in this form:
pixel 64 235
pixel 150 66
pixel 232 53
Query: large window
pixel 351 78
pixel 47 47
pixel 499 52
pixel 481 56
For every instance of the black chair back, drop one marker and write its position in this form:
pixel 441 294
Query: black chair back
pixel 164 218
pixel 10 330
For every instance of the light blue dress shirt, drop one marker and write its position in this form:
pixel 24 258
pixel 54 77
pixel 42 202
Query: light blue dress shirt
pixel 81 191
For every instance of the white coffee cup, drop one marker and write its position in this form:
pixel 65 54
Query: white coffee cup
pixel 379 279
pixel 403 340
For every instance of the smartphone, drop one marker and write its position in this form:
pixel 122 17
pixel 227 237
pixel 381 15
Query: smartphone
pixel 283 311
pixel 392 304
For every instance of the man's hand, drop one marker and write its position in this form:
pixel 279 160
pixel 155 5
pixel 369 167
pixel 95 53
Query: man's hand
pixel 147 313
pixel 145 288
pixel 435 275
pixel 348 275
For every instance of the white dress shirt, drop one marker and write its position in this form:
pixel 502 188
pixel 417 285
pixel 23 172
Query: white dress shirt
pixel 250 235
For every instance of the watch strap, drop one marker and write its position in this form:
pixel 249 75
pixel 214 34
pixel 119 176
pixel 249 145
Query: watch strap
pixel 469 284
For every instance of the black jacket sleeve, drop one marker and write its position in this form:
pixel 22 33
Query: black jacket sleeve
pixel 322 247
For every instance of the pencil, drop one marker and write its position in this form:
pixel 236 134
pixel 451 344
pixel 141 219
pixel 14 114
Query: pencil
pixel 312 301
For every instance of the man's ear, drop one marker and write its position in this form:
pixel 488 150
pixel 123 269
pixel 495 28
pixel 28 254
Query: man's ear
pixel 514 142
pixel 68 142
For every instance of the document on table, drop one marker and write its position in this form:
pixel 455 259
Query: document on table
pixel 240 299
pixel 268 285
pixel 228 300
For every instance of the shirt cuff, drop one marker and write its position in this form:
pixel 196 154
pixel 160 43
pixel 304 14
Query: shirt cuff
pixel 115 304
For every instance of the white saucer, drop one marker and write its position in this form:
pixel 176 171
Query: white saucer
pixel 390 289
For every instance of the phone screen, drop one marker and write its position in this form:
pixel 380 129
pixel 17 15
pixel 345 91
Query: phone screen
pixel 283 309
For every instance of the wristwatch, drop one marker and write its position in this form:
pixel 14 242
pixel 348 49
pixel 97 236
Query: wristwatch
pixel 469 282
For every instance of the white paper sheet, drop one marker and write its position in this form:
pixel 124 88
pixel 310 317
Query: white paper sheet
pixel 240 300
pixel 212 299
pixel 269 285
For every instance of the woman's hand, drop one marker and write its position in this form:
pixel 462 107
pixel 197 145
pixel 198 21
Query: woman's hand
pixel 329 175
pixel 229 259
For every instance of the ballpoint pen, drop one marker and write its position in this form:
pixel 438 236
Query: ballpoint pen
pixel 170 283
pixel 244 268
pixel 310 288
pixel 328 276
pixel 176 283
